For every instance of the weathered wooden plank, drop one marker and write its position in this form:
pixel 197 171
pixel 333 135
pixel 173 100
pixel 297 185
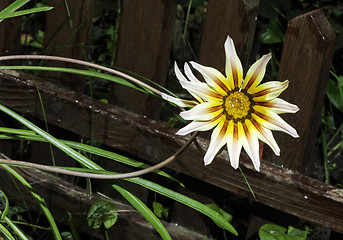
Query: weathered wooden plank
pixel 274 186
pixel 68 37
pixel 143 47
pixel 63 197
pixel 306 60
pixel 10 31
pixel 228 17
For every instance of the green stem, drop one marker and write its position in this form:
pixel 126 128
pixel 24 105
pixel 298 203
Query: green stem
pixel 325 157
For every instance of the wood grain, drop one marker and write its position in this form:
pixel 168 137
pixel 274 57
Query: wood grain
pixel 143 47
pixel 274 186
pixel 63 198
pixel 228 17
pixel 68 37
pixel 306 60
pixel 10 31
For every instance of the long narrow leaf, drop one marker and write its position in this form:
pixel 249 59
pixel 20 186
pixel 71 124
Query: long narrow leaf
pixel 23 12
pixel 40 200
pixel 6 233
pixel 147 213
pixel 186 201
pixel 6 207
pixel 14 6
pixel 30 135
pixel 15 229
pixel 143 209
pixel 80 72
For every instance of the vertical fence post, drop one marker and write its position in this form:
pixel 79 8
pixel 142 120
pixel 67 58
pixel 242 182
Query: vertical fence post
pixel 69 37
pixel 228 17
pixel 305 62
pixel 143 47
pixel 10 30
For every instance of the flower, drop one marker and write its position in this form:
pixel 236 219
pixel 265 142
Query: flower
pixel 241 111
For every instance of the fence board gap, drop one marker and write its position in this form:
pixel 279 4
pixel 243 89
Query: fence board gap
pixel 68 37
pixel 143 47
pixel 305 62
pixel 228 17
pixel 10 31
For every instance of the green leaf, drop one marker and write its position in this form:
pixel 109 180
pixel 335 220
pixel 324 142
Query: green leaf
pixel 299 234
pixel 23 12
pixel 227 216
pixel 215 216
pixel 39 199
pixel 88 73
pixel 4 205
pixel 14 6
pixel 102 212
pixel 31 136
pixel 276 232
pixel 334 92
pixel 273 33
pixel 6 233
pixel 160 211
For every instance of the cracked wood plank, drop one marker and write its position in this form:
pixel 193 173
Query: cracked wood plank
pixel 63 198
pixel 274 186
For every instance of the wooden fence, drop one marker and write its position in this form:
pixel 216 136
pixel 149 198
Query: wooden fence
pixel 131 122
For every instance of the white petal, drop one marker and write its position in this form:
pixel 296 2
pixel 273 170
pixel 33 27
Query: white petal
pixel 179 102
pixel 218 140
pixel 251 146
pixel 213 78
pixel 273 121
pixel 178 73
pixel 190 74
pixel 278 106
pixel 268 91
pixel 234 144
pixel 202 90
pixel 198 126
pixel 202 112
pixel 256 73
pixel 233 66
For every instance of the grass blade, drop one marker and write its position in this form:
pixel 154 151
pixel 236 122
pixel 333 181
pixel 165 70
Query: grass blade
pixel 15 229
pixel 40 200
pixel 6 233
pixel 140 206
pixel 30 135
pixel 80 72
pixel 23 12
pixel 186 201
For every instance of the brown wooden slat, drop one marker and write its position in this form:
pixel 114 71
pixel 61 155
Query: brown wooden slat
pixel 306 60
pixel 68 37
pixel 274 186
pixel 10 31
pixel 143 47
pixel 228 17
pixel 63 198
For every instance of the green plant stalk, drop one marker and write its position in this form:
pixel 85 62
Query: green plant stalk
pixel 5 211
pixel 40 201
pixel 27 135
pixel 246 181
pixel 136 203
pixel 45 120
pixel 6 233
pixel 23 12
pixel 15 229
pixel 325 158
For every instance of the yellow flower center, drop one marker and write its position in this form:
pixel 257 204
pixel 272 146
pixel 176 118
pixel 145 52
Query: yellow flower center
pixel 237 105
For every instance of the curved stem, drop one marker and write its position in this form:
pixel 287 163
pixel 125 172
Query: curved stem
pixel 96 175
pixel 93 175
pixel 80 62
